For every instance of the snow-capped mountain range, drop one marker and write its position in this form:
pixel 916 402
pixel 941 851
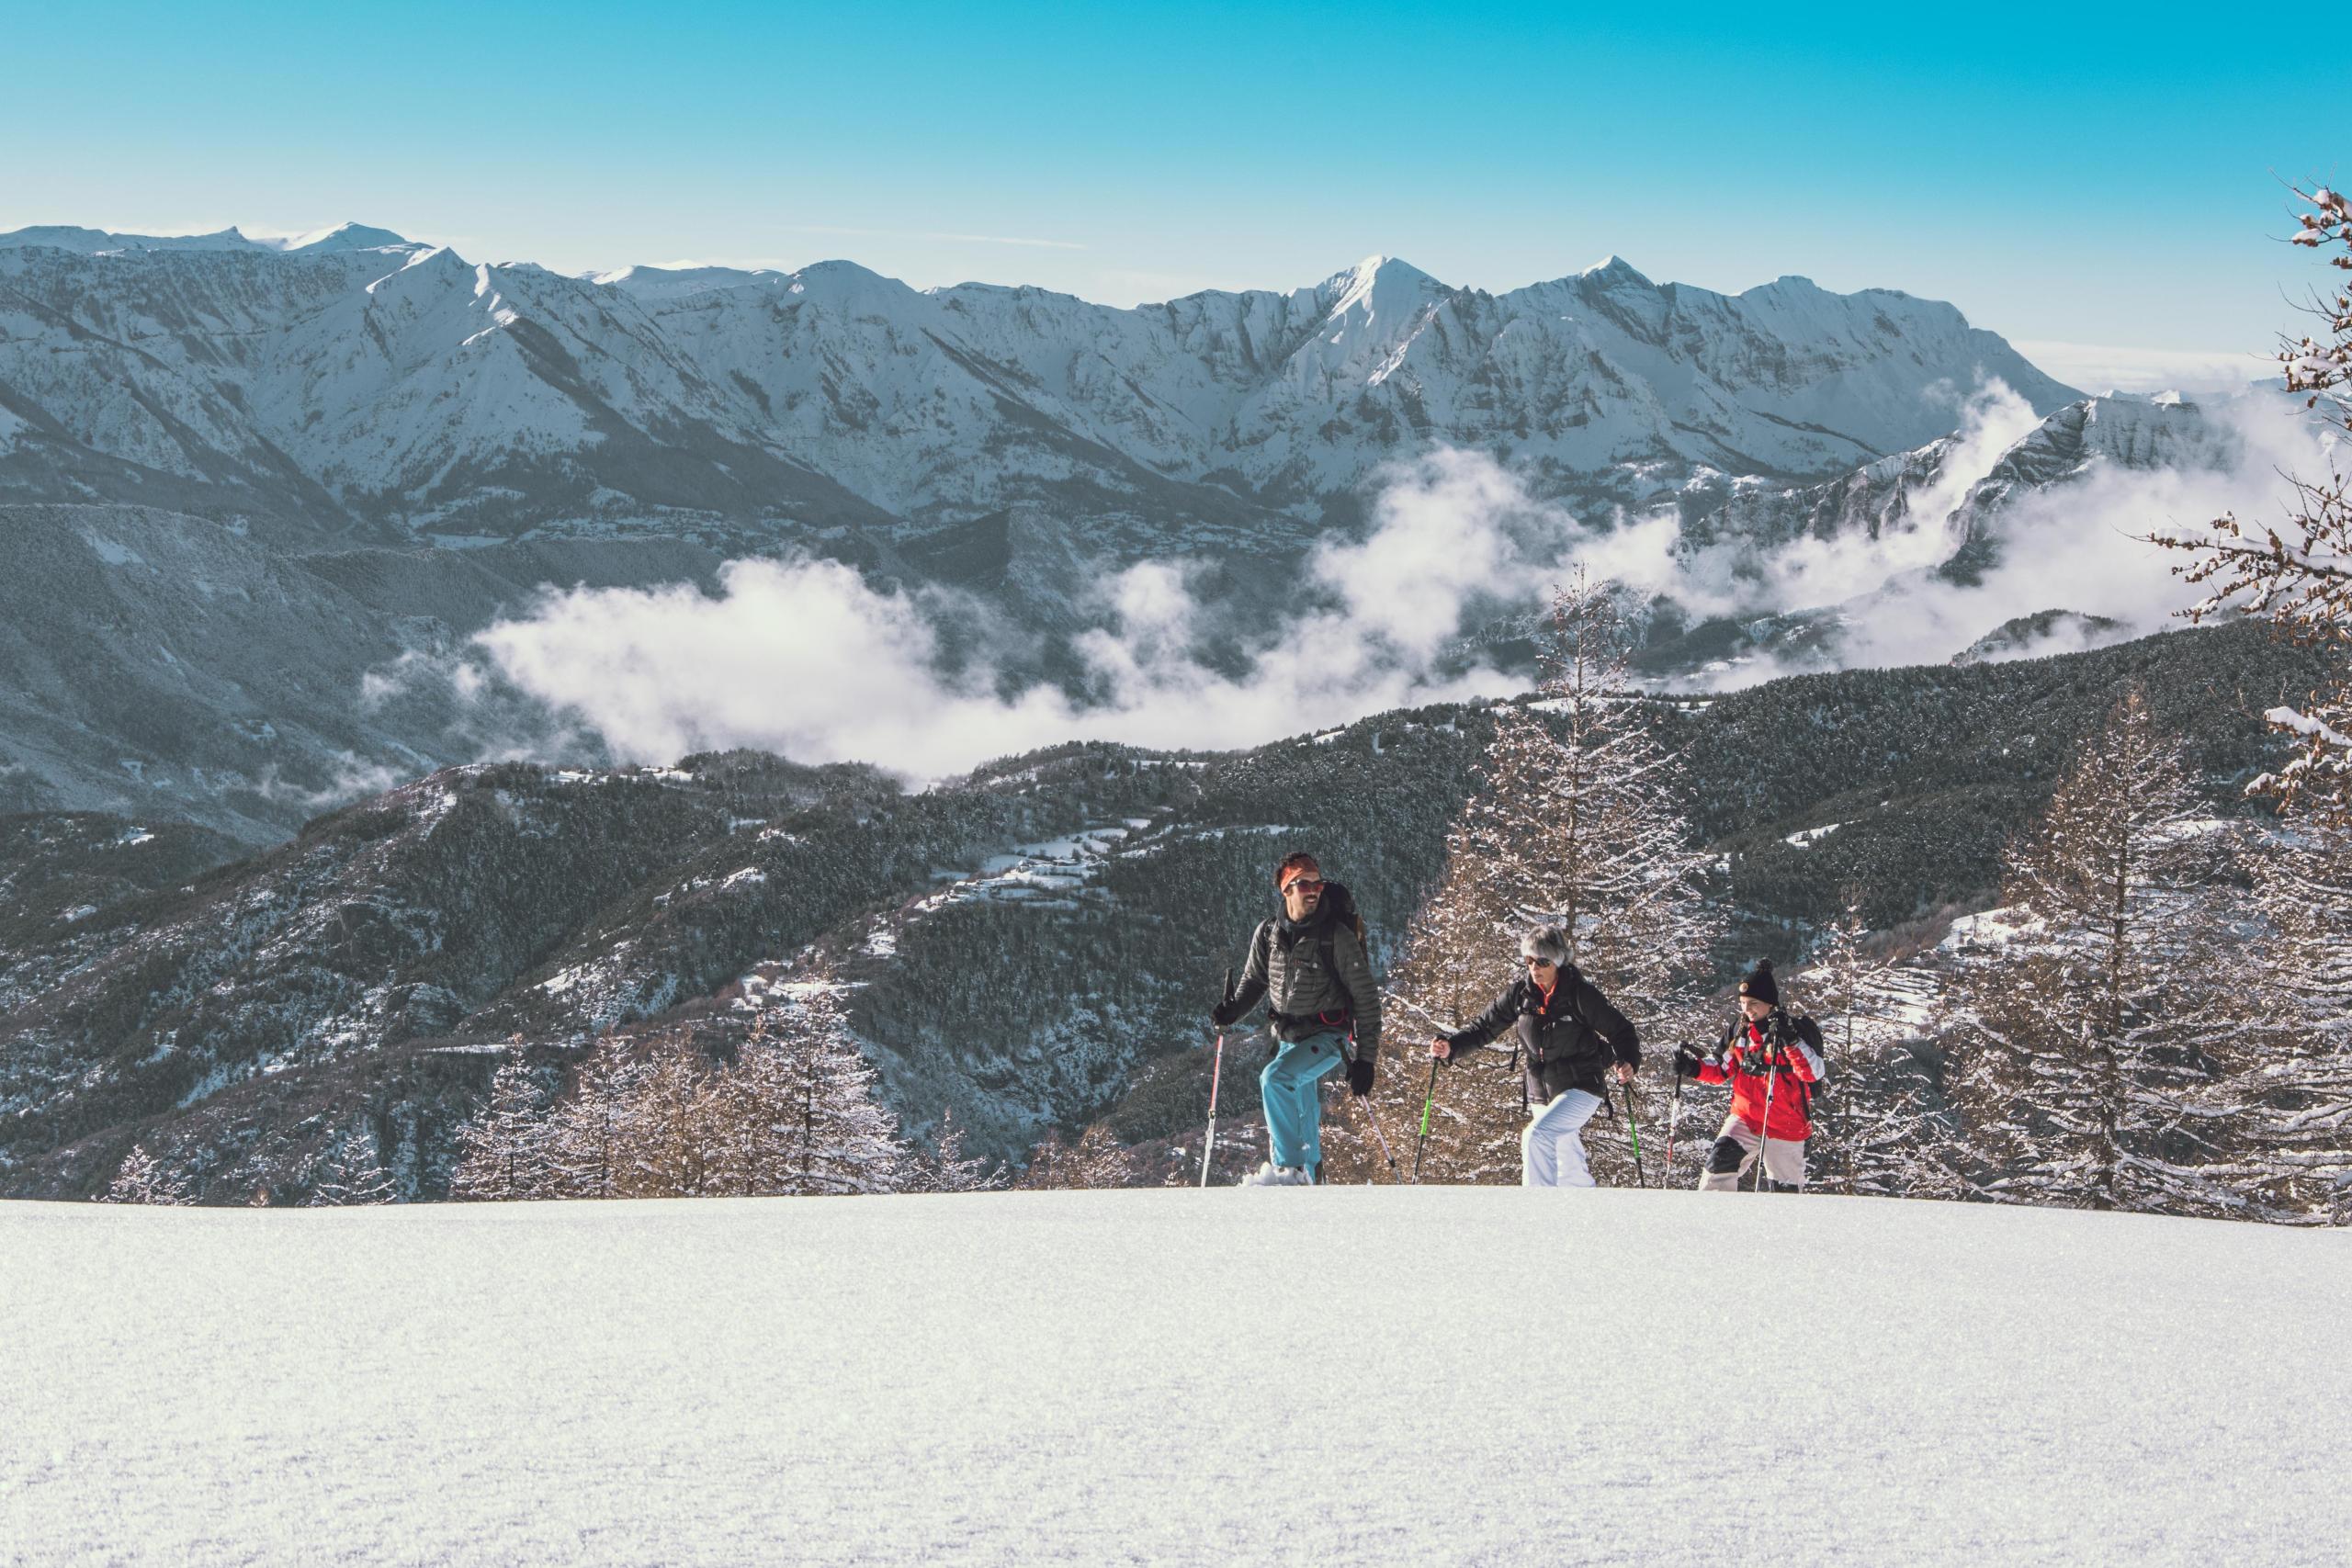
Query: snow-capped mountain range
pixel 224 463
pixel 356 384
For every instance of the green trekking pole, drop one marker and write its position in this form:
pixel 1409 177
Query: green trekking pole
pixel 1634 1133
pixel 1423 1140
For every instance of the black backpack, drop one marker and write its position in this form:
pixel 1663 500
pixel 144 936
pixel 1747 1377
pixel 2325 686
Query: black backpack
pixel 1342 905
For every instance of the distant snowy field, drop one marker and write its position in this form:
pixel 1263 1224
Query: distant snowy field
pixel 1351 1375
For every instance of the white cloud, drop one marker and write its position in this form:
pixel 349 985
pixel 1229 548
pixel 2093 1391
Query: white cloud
pixel 806 659
pixel 2081 547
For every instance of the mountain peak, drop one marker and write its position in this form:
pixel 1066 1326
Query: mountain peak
pixel 346 237
pixel 1614 271
pixel 1378 284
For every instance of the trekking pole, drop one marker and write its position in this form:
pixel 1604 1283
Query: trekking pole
pixel 1217 1076
pixel 1673 1122
pixel 1633 1133
pixel 1422 1142
pixel 1374 1117
pixel 1771 1082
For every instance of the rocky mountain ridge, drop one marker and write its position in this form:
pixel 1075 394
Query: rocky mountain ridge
pixel 397 390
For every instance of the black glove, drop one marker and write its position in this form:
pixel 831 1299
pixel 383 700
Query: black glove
pixel 1226 1012
pixel 1686 1063
pixel 1360 1075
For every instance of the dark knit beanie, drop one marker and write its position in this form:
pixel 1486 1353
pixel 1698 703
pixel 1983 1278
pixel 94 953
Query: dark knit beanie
pixel 1760 985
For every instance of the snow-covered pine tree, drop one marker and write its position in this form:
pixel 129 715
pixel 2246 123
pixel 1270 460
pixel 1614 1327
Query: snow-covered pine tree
pixel 1460 950
pixel 354 1173
pixel 592 1129
pixel 1873 1113
pixel 502 1154
pixel 2300 577
pixel 1578 822
pixel 947 1169
pixel 683 1140
pixel 142 1179
pixel 822 1128
pixel 1096 1162
pixel 2091 1062
pixel 1047 1169
pixel 2299 1080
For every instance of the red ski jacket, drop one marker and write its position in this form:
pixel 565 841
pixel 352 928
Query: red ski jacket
pixel 1746 1063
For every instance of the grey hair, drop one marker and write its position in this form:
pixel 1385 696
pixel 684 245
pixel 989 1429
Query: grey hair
pixel 1547 942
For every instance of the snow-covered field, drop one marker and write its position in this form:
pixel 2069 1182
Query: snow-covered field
pixel 1351 1375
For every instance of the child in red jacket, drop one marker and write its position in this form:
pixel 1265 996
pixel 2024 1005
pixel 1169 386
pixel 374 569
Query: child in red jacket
pixel 1771 1062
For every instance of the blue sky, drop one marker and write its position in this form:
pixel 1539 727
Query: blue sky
pixel 2101 178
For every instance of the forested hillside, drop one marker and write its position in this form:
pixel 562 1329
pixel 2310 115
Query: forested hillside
pixel 1035 946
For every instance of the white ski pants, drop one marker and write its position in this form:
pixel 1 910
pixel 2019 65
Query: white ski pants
pixel 1551 1151
pixel 1784 1162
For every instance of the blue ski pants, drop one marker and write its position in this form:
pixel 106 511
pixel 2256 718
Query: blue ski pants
pixel 1293 1114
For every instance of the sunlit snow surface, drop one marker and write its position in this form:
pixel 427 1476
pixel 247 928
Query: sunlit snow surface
pixel 1288 1376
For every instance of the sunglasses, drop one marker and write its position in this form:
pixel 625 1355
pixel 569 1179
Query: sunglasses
pixel 1304 883
pixel 1541 963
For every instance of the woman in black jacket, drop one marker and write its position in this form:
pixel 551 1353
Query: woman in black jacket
pixel 1569 1035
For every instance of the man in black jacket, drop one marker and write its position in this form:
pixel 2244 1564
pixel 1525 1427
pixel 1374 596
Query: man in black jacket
pixel 1310 964
pixel 1568 1034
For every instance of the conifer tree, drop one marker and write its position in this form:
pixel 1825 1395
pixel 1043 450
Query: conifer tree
pixel 947 1169
pixel 2088 1051
pixel 2298 575
pixel 680 1141
pixel 142 1179
pixel 590 1128
pixel 1578 822
pixel 1096 1162
pixel 2297 1081
pixel 814 1094
pixel 1873 1112
pixel 1047 1170
pixel 354 1174
pixel 502 1154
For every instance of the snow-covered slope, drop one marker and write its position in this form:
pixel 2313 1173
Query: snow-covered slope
pixel 1386 1375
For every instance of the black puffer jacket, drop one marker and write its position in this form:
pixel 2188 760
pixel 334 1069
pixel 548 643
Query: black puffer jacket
pixel 1567 1038
pixel 1286 968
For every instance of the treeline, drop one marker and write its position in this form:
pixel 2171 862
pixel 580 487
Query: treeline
pixel 780 1105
